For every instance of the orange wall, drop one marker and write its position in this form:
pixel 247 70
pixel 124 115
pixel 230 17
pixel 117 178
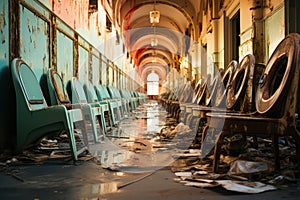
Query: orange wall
pixel 74 13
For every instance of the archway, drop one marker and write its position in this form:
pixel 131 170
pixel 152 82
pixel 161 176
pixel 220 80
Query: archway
pixel 152 85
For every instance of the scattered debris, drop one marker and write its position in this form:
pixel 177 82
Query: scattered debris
pixel 189 179
pixel 245 186
pixel 248 167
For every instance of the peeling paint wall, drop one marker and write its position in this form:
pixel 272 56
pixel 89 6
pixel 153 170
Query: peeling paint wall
pixel 42 40
pixel 104 72
pixel 95 69
pixel 65 56
pixel 74 13
pixel 34 44
pixel 83 62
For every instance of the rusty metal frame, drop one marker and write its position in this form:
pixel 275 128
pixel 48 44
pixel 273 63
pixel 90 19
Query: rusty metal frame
pixel 14 41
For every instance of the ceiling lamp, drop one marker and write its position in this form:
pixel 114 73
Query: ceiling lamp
pixel 154 42
pixel 154 15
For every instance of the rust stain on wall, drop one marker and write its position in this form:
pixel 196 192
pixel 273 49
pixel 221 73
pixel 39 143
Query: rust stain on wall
pixel 2 25
pixel 74 13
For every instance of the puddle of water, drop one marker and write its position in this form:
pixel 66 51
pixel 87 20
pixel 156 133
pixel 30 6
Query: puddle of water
pixel 119 174
pixel 142 150
pixel 100 189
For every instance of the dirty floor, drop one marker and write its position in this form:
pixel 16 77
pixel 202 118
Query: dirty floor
pixel 136 161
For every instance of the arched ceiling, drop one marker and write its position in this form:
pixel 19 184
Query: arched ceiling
pixel 178 21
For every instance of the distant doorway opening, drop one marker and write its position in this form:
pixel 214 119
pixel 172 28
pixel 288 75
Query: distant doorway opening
pixel 152 85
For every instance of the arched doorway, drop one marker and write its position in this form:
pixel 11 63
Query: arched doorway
pixel 152 85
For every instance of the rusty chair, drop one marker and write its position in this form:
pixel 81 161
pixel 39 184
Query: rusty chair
pixel 209 98
pixel 182 96
pixel 239 80
pixel 35 119
pixel 276 102
pixel 186 108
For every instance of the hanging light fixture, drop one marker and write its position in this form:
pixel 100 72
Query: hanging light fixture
pixel 154 15
pixel 154 42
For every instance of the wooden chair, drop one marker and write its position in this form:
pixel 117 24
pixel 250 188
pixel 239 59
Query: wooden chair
pixel 277 99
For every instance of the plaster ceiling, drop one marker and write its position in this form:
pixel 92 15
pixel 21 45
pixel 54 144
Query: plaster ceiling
pixel 178 22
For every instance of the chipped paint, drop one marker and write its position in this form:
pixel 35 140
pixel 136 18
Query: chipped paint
pixel 65 53
pixel 83 63
pixel 35 46
pixel 2 25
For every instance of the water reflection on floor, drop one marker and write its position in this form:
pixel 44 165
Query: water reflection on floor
pixel 133 146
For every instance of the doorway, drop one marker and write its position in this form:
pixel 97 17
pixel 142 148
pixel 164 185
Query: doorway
pixel 152 85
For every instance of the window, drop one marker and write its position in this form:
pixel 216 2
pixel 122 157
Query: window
pixel 152 84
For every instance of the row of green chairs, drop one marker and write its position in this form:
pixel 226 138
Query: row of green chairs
pixel 35 119
pixel 85 105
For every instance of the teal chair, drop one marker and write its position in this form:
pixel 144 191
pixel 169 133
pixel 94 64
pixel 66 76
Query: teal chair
pixel 105 112
pixel 35 119
pixel 115 96
pixel 92 111
pixel 132 101
pixel 59 96
pixel 125 101
pixel 135 100
pixel 114 107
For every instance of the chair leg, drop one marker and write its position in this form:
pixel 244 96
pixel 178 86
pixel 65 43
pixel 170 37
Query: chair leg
pixel 91 117
pixel 102 128
pixel 72 141
pixel 109 119
pixel 204 133
pixel 94 127
pixel 82 126
pixel 217 152
pixel 276 151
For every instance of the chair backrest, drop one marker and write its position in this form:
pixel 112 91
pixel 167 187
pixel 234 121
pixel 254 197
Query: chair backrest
pixel 102 93
pixel 77 91
pixel 112 92
pixel 123 93
pixel 29 85
pixel 236 93
pixel 117 93
pixel 57 90
pixel 211 90
pixel 186 93
pixel 224 84
pixel 200 96
pixel 90 92
pixel 278 91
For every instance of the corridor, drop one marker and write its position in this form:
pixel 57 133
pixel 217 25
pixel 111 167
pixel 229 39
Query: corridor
pixel 149 99
pixel 136 161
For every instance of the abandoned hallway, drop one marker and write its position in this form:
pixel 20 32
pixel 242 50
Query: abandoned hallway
pixel 139 159
pixel 149 99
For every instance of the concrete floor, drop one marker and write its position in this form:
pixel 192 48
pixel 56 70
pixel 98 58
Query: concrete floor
pixel 122 168
pixel 58 180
